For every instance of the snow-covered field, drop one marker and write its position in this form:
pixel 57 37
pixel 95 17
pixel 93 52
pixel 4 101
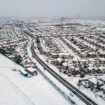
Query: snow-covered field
pixel 19 90
pixel 10 94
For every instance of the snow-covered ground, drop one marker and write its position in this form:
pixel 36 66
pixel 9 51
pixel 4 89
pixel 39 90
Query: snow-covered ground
pixel 10 94
pixel 36 89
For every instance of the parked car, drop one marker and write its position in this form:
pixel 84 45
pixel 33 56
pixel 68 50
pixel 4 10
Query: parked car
pixel 23 72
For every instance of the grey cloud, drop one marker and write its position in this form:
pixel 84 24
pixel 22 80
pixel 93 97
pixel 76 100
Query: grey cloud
pixel 73 8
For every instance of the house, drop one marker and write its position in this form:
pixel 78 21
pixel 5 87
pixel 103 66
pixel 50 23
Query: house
pixel 31 71
pixel 95 83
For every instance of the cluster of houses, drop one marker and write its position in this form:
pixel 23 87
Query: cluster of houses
pixel 83 40
pixel 15 48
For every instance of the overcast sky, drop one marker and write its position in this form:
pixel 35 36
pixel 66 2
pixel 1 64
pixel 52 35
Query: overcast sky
pixel 72 8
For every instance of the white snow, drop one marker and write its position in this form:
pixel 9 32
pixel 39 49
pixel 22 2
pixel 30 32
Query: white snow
pixel 10 94
pixel 36 88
